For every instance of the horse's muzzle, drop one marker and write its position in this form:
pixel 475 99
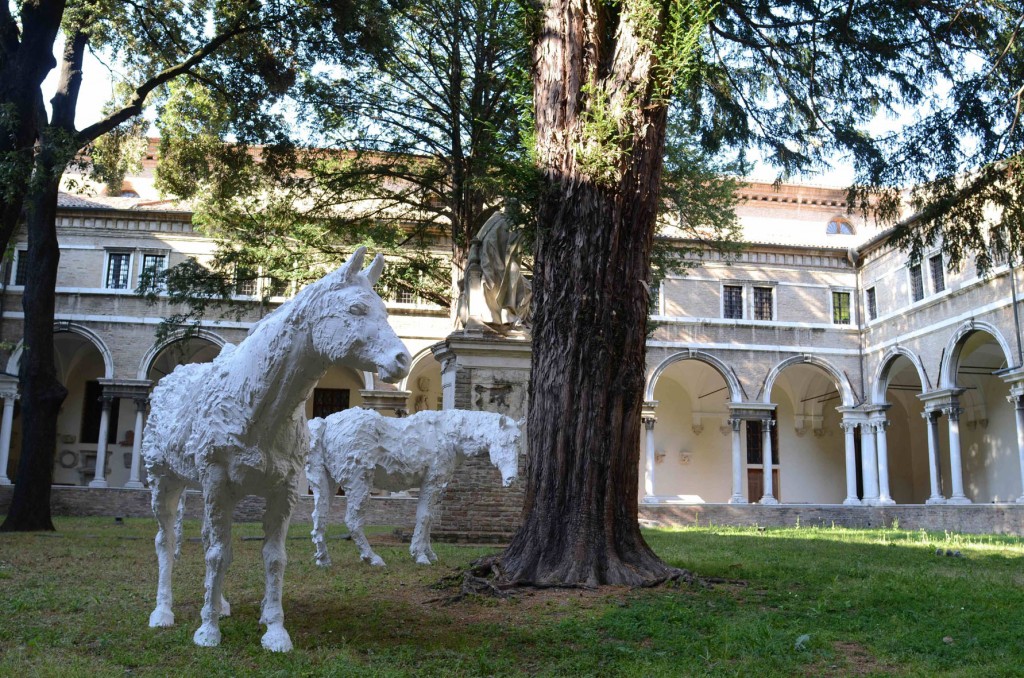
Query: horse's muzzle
pixel 397 369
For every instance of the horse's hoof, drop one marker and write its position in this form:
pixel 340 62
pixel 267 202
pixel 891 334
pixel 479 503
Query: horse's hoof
pixel 207 635
pixel 161 617
pixel 432 556
pixel 225 608
pixel 422 559
pixel 276 639
pixel 374 560
pixel 323 562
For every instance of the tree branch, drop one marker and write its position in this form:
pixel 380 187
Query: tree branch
pixel 135 106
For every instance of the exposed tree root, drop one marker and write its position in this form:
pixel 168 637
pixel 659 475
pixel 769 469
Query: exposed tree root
pixel 485 577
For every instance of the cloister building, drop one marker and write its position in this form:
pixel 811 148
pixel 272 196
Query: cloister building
pixel 820 365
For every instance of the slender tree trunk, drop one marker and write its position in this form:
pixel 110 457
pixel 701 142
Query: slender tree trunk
pixel 26 57
pixel 41 391
pixel 593 254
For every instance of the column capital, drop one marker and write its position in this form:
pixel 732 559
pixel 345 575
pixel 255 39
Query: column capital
pixel 848 426
pixel 953 411
pixel 736 423
pixel 931 415
pixel 649 422
pixel 9 387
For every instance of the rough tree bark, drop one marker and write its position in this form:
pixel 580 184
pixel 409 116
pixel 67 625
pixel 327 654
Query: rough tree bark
pixel 593 253
pixel 26 57
pixel 41 390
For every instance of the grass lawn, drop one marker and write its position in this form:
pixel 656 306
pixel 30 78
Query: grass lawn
pixel 806 602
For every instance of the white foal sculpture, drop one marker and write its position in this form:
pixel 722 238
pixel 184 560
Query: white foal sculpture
pixel 359 449
pixel 237 426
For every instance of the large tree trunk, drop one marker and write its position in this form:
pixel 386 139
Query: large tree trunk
pixel 591 301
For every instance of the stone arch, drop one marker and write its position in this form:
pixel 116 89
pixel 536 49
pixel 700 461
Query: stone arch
pixel 14 362
pixel 881 379
pixel 156 349
pixel 951 360
pixel 842 383
pixel 735 390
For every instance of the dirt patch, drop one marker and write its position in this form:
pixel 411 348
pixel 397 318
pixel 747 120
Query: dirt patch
pixel 852 659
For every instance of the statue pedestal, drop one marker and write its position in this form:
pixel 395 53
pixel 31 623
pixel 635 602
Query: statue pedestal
pixel 490 373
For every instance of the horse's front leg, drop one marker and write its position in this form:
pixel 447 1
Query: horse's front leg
pixel 218 504
pixel 275 530
pixel 165 496
pixel 323 492
pixel 357 493
pixel 426 510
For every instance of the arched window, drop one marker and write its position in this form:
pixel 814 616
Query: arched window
pixel 840 226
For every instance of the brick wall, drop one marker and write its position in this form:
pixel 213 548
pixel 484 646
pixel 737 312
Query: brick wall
pixel 84 501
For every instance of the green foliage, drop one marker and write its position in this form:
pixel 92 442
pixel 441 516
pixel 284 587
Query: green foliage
pixel 410 149
pixel 118 153
pixel 874 602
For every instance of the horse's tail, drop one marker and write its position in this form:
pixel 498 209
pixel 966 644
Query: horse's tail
pixel 178 532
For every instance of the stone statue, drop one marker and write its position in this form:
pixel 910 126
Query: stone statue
pixel 496 293
pixel 237 426
pixel 359 449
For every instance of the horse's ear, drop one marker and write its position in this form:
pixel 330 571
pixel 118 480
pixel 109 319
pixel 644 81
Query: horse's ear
pixel 372 274
pixel 353 266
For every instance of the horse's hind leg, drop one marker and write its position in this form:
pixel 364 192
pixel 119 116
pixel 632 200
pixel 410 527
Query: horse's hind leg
pixel 218 505
pixel 426 510
pixel 323 492
pixel 275 530
pixel 357 492
pixel 166 492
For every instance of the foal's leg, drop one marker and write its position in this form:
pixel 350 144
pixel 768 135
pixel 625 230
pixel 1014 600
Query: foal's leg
pixel 275 531
pixel 426 510
pixel 357 493
pixel 218 505
pixel 323 492
pixel 165 495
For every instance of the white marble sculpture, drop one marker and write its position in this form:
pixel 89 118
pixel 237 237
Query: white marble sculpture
pixel 237 426
pixel 359 449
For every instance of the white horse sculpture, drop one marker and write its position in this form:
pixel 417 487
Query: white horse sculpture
pixel 237 426
pixel 360 449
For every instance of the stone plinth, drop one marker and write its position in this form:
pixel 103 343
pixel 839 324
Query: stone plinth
pixel 489 373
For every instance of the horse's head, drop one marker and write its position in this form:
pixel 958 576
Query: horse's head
pixel 350 323
pixel 504 449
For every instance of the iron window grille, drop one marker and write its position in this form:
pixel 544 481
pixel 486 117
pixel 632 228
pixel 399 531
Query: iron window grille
pixel 938 273
pixel 732 302
pixel 118 268
pixel 916 282
pixel 762 303
pixel 872 304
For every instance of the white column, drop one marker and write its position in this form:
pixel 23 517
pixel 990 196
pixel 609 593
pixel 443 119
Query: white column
pixel 851 464
pixel 1018 403
pixel 737 462
pixel 956 471
pixel 134 481
pixel 5 437
pixel 884 498
pixel 869 463
pixel 931 418
pixel 101 446
pixel 649 460
pixel 769 495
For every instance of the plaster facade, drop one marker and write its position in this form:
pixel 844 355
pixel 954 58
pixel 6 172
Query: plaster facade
pixel 808 353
